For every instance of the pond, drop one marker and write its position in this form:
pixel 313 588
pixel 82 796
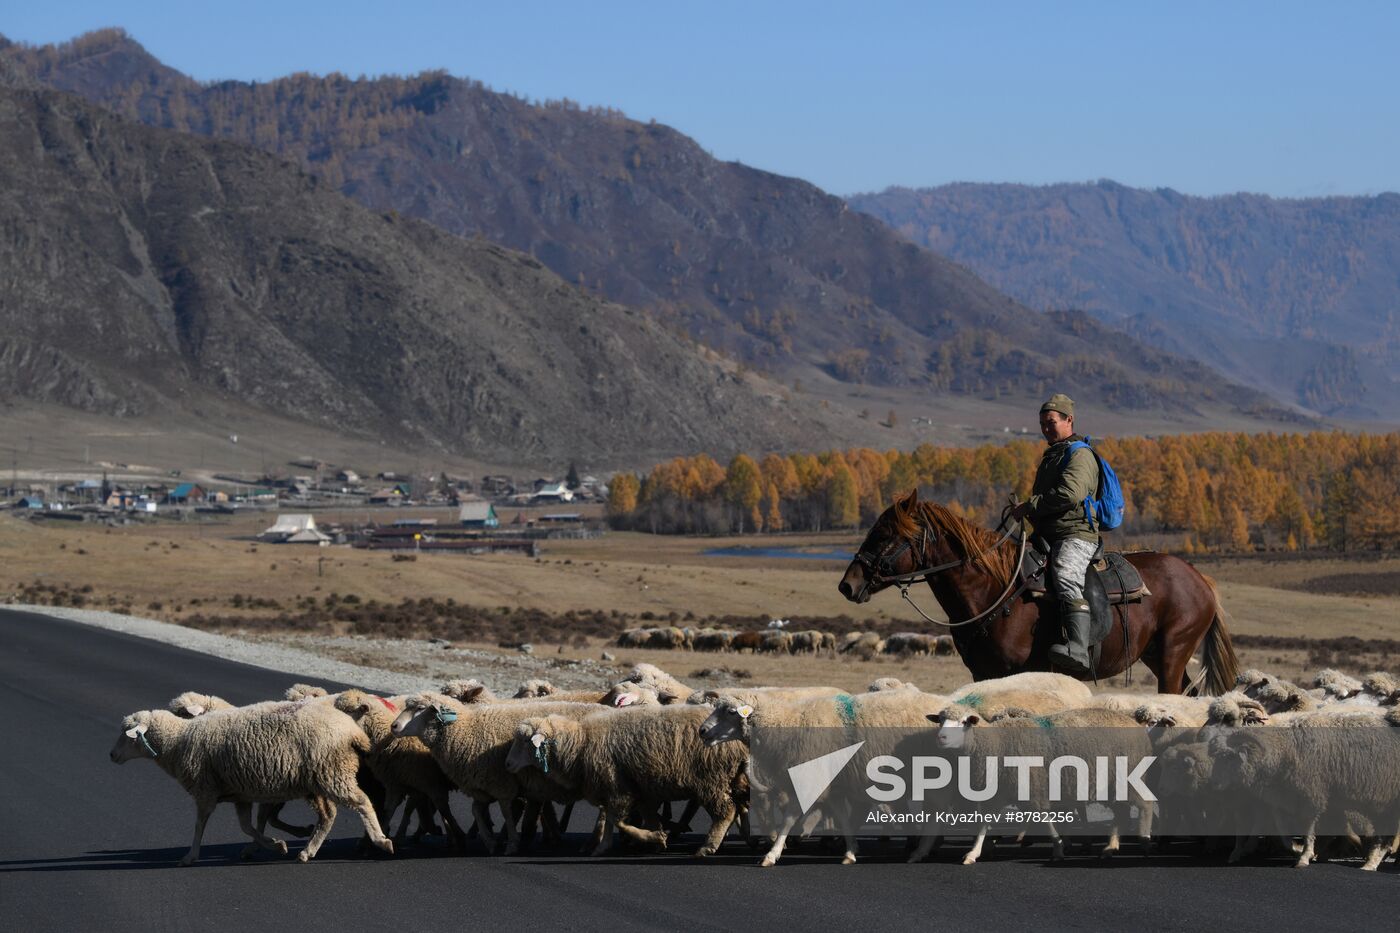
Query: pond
pixel 799 553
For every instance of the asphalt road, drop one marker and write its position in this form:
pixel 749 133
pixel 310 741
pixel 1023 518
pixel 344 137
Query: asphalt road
pixel 86 844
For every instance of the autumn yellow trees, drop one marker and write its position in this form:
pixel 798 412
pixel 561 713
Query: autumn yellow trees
pixel 1225 491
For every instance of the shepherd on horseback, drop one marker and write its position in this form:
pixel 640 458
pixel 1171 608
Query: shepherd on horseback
pixel 1067 475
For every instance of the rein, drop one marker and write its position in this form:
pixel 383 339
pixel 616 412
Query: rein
pixel 873 564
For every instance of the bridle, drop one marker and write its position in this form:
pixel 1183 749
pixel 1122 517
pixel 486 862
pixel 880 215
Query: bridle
pixel 879 569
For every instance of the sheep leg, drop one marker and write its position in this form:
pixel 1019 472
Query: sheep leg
pixel 926 845
pixel 444 807
pixel 599 826
pixel 270 813
pixel 1378 852
pixel 549 825
pixel 325 819
pixel 849 856
pixel 975 852
pixel 356 799
pixel 245 821
pixel 1244 845
pixel 481 822
pixel 656 837
pixel 393 796
pixel 203 808
pixel 528 822
pixel 564 819
pixel 1111 849
pixel 721 815
pixel 1309 847
pixel 512 831
pixel 423 807
pixel 688 814
pixel 609 822
pixel 776 852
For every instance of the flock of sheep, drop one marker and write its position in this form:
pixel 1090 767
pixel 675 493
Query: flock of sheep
pixel 633 748
pixel 864 645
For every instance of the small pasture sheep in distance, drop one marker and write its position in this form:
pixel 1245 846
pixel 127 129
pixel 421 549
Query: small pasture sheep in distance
pixel 746 641
pixel 635 759
pixel 864 645
pixel 915 644
pixel 776 641
pixel 267 753
pixel 713 640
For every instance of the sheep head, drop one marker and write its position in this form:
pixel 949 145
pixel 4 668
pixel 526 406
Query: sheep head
pixel 731 721
pixel 422 713
pixel 630 693
pixel 953 722
pixel 468 691
pixel 133 741
pixel 533 688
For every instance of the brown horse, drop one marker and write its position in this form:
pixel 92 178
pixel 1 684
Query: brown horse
pixel 1164 629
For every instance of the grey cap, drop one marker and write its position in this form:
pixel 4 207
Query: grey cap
pixel 1061 403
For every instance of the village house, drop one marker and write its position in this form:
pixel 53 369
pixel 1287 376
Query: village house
pixel 478 513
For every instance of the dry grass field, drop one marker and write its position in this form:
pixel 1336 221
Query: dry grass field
pixel 1288 612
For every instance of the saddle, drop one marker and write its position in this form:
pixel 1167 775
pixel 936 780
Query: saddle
pixel 1110 581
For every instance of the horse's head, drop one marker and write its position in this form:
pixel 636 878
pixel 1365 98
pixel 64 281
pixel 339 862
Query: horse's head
pixel 898 543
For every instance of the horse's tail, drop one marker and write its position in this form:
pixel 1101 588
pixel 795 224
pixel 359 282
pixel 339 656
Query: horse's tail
pixel 1219 666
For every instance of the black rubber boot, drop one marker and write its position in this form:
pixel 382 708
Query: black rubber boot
pixel 1072 657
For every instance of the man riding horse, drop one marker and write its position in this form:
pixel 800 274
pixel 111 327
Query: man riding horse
pixel 1064 479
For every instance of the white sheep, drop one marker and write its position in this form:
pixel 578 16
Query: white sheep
pixel 1079 733
pixel 653 677
pixel 403 765
pixel 633 760
pixel 266 753
pixel 1318 770
pixel 803 725
pixel 470 741
pixel 1074 692
pixel 1336 684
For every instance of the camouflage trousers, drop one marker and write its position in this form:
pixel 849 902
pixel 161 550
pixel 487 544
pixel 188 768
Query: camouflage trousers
pixel 1070 558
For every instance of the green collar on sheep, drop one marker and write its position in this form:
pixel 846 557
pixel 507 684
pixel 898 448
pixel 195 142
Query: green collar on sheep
pixel 445 716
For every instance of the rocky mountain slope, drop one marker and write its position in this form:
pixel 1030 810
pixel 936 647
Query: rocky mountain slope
pixel 768 268
pixel 1297 297
pixel 151 272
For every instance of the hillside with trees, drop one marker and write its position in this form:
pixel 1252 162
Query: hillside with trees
pixel 1220 491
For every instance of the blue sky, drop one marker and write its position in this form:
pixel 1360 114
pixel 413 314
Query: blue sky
pixel 1289 99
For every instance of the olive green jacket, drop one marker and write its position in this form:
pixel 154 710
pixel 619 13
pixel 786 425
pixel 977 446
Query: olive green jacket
pixel 1057 497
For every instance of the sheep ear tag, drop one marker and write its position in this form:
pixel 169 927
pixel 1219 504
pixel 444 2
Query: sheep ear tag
pixel 537 739
pixel 445 716
pixel 745 711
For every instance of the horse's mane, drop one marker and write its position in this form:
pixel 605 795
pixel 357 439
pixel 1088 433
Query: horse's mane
pixel 972 543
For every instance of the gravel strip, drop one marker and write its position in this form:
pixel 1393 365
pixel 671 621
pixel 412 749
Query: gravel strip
pixel 421 665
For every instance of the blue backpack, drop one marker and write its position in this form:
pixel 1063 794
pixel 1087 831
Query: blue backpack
pixel 1105 507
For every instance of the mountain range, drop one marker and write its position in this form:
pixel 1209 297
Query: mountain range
pixel 148 272
pixel 767 269
pixel 1298 298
